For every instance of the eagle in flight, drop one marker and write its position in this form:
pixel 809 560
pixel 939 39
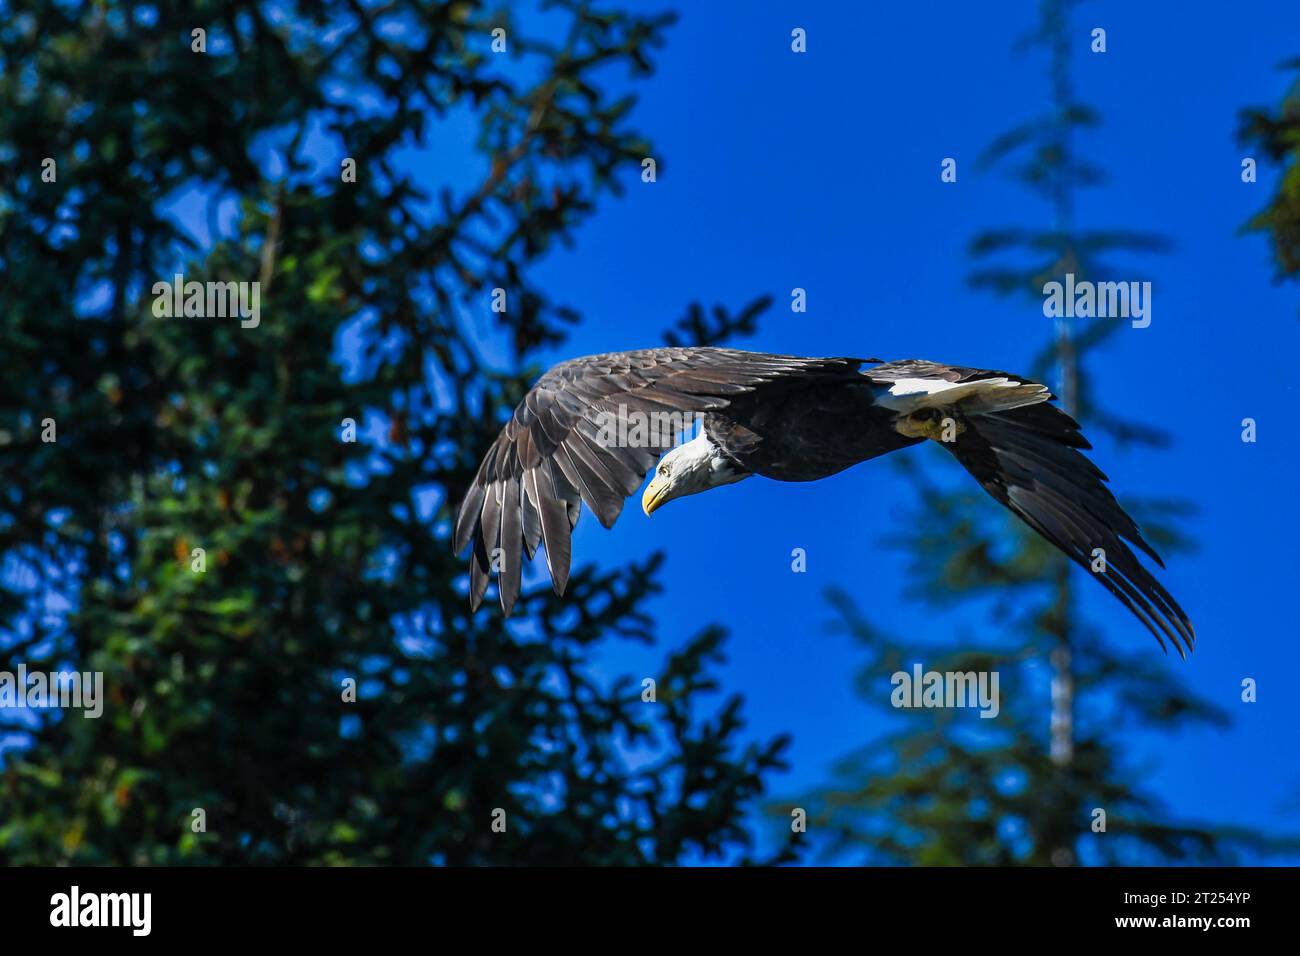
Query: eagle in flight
pixel 791 419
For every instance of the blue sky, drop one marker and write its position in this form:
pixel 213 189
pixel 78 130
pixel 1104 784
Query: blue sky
pixel 821 171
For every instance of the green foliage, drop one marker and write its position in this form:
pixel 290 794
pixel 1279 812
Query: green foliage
pixel 326 561
pixel 1277 135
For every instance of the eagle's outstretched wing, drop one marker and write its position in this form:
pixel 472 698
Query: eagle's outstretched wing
pixel 550 455
pixel 1030 459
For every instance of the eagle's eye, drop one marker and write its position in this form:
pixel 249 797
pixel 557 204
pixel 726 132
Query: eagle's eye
pixel 663 471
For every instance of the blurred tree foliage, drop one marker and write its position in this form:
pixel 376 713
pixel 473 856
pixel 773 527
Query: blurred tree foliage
pixel 1277 136
pixel 947 787
pixel 326 560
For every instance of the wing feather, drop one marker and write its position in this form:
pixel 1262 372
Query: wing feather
pixel 555 530
pixel 1028 459
pixel 509 576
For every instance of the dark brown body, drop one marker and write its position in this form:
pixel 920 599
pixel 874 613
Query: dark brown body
pixel 811 431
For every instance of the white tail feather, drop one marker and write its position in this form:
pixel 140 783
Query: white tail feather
pixel 908 395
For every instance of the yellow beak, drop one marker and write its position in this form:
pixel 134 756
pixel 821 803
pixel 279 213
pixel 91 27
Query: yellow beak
pixel 654 494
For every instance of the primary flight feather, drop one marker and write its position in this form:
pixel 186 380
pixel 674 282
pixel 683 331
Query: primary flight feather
pixel 580 435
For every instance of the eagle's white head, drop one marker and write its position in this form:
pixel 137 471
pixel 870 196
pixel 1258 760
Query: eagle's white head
pixel 688 469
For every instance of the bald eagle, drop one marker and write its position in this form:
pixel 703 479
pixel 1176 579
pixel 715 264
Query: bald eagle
pixel 791 419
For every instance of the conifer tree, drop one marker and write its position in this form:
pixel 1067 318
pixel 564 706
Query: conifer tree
pixel 245 526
